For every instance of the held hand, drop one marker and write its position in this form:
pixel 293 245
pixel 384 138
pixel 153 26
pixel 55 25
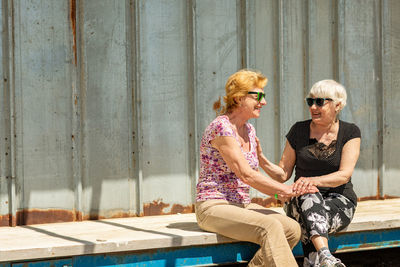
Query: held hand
pixel 283 198
pixel 286 194
pixel 304 186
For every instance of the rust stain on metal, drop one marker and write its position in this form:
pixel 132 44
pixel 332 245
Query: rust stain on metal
pixel 390 197
pixel 93 216
pixel 366 245
pixel 109 215
pixel 72 13
pixel 13 221
pixel 377 197
pixel 157 208
pixel 5 220
pixel 266 202
pixel 36 216
pixel 369 198
pixel 121 215
pixel 154 208
pixel 378 193
pixel 176 208
pixel 78 216
pixel 378 244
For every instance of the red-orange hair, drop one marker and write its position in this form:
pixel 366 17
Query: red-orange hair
pixel 238 85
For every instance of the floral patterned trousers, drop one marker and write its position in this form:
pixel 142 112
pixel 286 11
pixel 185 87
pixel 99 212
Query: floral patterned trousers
pixel 320 215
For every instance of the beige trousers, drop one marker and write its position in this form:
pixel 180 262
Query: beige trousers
pixel 276 234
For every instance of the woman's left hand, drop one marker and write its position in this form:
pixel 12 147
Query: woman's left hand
pixel 259 148
pixel 283 198
pixel 304 186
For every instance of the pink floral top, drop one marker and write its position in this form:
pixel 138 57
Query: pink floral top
pixel 217 180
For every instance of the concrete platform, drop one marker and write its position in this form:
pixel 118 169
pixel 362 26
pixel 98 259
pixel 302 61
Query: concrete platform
pixel 59 240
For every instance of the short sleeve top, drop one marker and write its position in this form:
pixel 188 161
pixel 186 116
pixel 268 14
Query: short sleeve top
pixel 216 179
pixel 316 159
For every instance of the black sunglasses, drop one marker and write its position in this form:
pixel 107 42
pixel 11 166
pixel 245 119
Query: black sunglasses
pixel 319 101
pixel 260 95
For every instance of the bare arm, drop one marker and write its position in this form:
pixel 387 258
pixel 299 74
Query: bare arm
pixel 232 155
pixel 349 157
pixel 283 171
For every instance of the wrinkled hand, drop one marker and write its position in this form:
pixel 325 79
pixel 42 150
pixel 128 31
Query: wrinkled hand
pixel 304 186
pixel 283 198
pixel 286 194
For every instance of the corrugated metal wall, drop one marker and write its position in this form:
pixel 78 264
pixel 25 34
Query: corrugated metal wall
pixel 103 102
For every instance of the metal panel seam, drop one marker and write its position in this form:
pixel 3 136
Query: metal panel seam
pixel 192 115
pixel 279 81
pixel 12 112
pixel 130 70
pixel 82 82
pixel 76 109
pixel 381 26
pixel 137 108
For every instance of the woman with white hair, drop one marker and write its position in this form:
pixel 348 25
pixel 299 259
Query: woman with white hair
pixel 323 151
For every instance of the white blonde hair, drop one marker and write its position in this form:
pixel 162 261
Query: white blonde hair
pixel 329 89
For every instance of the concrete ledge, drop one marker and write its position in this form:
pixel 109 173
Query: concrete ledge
pixel 155 232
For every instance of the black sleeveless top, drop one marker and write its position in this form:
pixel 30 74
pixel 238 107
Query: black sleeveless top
pixel 316 159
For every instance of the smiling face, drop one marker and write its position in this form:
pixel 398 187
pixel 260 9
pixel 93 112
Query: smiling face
pixel 327 113
pixel 324 114
pixel 249 105
pixel 237 88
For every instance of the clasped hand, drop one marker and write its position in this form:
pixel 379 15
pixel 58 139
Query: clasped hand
pixel 300 187
pixel 304 186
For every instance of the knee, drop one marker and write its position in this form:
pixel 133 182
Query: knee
pixel 296 235
pixel 295 229
pixel 314 197
pixel 293 233
pixel 276 231
pixel 273 228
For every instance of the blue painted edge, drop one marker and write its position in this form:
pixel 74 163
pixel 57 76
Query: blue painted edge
pixel 188 256
pixel 356 241
pixel 49 263
pixel 236 252
pixel 214 254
